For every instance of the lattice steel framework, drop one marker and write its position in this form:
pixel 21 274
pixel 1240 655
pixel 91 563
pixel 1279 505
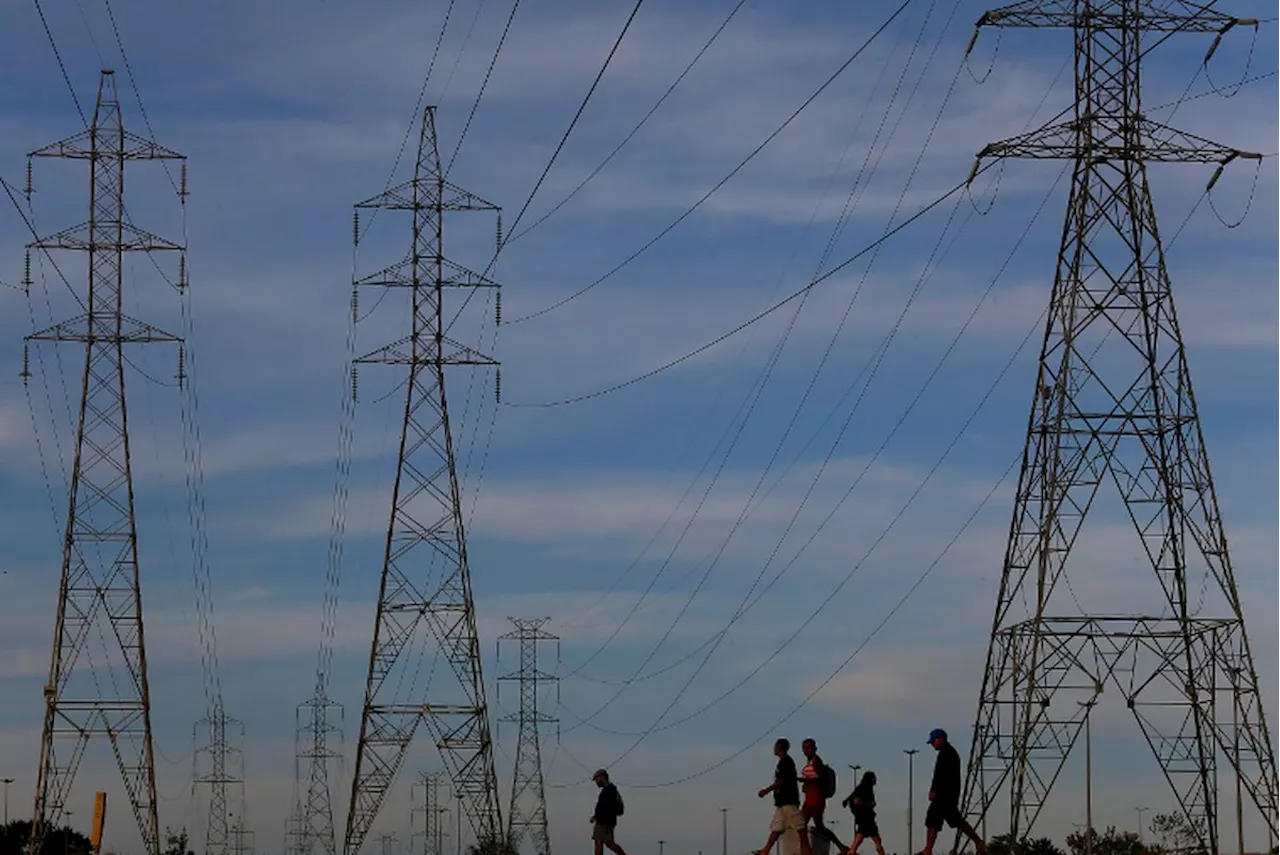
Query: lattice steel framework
pixel 528 797
pixel 316 735
pixel 1114 404
pixel 426 580
pixel 224 762
pixel 99 590
pixel 432 833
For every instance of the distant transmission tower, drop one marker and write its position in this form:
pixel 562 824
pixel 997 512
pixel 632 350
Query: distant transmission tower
pixel 224 764
pixel 1114 404
pixel 99 595
pixel 426 582
pixel 528 798
pixel 315 739
pixel 432 812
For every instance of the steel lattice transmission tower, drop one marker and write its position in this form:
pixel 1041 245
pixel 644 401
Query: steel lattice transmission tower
pixel 315 738
pixel 432 834
pixel 1114 413
pixel 99 590
pixel 426 581
pixel 225 768
pixel 528 797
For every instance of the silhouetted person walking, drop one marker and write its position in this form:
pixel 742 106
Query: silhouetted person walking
pixel 944 796
pixel 786 801
pixel 862 803
pixel 812 779
pixel 605 818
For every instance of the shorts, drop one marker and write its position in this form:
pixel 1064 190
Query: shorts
pixel 787 818
pixel 939 813
pixel 866 827
pixel 602 833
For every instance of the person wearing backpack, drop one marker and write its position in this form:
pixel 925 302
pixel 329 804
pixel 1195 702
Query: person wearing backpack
pixel 605 819
pixel 862 802
pixel 819 784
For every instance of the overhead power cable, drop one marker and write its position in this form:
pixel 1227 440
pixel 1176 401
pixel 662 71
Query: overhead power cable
pixel 741 164
pixel 483 85
pixel 61 65
pixel 855 194
pixel 516 235
pixel 759 316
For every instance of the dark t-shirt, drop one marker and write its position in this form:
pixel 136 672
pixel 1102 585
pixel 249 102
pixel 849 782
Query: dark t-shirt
pixel 946 776
pixel 788 790
pixel 607 806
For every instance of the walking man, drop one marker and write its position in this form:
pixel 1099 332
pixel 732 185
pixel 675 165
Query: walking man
pixel 605 819
pixel 786 801
pixel 814 781
pixel 944 796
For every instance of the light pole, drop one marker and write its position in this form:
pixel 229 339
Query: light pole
pixel 853 823
pixel 1088 776
pixel 662 844
pixel 911 756
pixel 6 782
pixel 1141 811
pixel 724 831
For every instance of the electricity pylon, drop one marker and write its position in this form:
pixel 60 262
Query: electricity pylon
pixel 426 581
pixel 432 834
pixel 99 595
pixel 314 749
pixel 224 762
pixel 1114 405
pixel 528 796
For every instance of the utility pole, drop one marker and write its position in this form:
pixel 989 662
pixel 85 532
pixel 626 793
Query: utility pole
pixel 724 831
pixel 1088 775
pixel 425 585
pixel 911 822
pixel 528 798
pixel 99 596
pixel 432 813
pixel 1114 413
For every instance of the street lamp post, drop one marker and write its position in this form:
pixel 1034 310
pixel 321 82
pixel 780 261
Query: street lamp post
pixel 911 756
pixel 1141 811
pixel 1088 776
pixel 853 823
pixel 662 844
pixel 6 782
pixel 724 831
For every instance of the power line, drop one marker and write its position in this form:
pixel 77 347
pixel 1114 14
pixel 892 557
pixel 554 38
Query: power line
pixel 483 85
pixel 515 236
pixel 61 66
pixel 741 164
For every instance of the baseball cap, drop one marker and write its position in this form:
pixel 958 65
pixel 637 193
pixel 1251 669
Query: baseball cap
pixel 935 733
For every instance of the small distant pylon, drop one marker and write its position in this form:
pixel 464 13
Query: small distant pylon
pixel 315 737
pixel 428 807
pixel 528 795
pixel 99 594
pixel 225 764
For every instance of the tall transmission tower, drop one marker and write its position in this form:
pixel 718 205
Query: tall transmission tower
pixel 99 594
pixel 528 797
pixel 426 581
pixel 224 765
pixel 1114 406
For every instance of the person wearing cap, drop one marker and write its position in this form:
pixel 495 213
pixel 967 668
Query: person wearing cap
pixel 605 818
pixel 944 796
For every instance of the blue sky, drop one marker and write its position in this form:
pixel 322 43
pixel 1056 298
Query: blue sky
pixel 290 112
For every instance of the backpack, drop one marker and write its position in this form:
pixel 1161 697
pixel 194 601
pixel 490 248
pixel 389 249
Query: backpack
pixel 617 798
pixel 827 780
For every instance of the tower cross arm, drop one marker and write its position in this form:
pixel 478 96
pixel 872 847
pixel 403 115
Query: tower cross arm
pixel 429 194
pixel 79 329
pixel 1153 15
pixel 131 147
pixel 82 237
pixel 1155 143
pixel 403 352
